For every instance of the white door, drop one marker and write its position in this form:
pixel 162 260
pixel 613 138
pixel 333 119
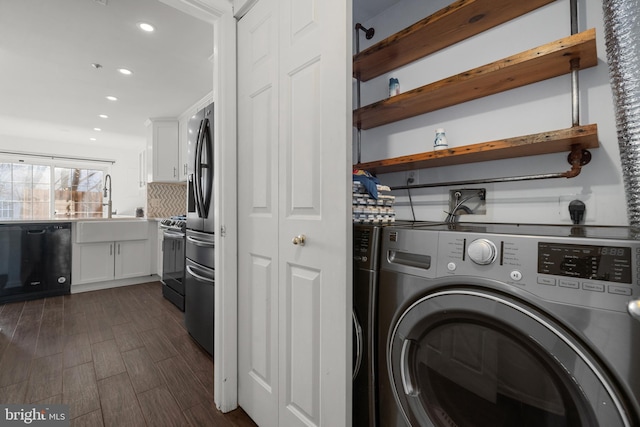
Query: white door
pixel 315 185
pixel 298 296
pixel 258 213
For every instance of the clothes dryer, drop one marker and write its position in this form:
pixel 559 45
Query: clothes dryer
pixel 366 261
pixel 490 325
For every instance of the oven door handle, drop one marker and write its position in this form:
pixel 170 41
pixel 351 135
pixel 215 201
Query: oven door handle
pixel 173 234
pixel 192 272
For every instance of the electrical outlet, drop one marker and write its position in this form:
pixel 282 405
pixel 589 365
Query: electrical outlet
pixel 411 177
pixel 588 199
pixel 468 201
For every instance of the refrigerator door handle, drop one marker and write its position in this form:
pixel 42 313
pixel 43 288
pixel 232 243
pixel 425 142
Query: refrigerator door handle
pixel 198 171
pixel 192 272
pixel 206 139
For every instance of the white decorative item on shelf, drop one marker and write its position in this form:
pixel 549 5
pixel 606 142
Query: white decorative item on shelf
pixel 440 143
pixel 394 87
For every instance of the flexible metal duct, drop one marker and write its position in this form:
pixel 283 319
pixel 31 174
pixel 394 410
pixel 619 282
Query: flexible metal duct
pixel 622 38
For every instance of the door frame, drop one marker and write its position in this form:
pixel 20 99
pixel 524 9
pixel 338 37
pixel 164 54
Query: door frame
pixel 225 352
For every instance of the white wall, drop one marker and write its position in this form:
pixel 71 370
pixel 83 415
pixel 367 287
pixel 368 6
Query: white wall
pixel 127 195
pixel 540 107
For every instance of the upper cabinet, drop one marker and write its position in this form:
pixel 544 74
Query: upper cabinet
pixel 163 151
pixel 183 125
pixel 454 23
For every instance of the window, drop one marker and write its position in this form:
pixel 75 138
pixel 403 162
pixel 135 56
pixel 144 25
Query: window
pixel 78 193
pixel 32 191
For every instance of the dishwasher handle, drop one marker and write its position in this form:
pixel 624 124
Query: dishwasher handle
pixel 41 231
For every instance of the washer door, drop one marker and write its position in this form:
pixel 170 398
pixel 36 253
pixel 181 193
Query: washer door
pixel 469 358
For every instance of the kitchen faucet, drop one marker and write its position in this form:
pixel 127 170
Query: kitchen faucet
pixel 108 191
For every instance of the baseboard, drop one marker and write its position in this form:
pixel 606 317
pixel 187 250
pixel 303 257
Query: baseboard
pixel 113 283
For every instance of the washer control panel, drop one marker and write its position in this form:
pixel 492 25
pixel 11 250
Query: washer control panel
pixel 599 273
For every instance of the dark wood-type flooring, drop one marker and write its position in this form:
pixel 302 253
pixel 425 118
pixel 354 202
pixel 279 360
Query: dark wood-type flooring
pixel 118 357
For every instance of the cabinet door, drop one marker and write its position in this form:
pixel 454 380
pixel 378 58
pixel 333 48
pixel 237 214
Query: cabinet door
pixel 182 149
pixel 132 259
pixel 93 262
pixel 142 171
pixel 162 147
pixel 160 252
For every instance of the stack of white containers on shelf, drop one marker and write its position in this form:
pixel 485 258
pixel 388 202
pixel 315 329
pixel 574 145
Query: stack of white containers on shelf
pixel 369 210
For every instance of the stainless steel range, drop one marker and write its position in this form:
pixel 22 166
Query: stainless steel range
pixel 173 256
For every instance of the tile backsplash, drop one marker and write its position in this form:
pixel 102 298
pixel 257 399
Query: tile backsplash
pixel 165 200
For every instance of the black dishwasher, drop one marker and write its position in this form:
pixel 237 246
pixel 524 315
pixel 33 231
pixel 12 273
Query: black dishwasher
pixel 35 260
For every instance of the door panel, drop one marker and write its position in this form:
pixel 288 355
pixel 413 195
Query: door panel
pixel 258 375
pixel 294 128
pixel 315 174
pixel 261 327
pixel 261 153
pixel 302 340
pixel 303 145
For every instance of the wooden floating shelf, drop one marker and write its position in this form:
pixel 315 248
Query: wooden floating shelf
pixel 534 65
pixel 456 22
pixel 529 145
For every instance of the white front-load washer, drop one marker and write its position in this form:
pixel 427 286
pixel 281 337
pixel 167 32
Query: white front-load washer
pixel 491 325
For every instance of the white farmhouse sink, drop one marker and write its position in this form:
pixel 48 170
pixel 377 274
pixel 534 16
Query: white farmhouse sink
pixel 109 230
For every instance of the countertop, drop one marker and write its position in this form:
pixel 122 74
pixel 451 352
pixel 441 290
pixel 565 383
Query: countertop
pixel 57 220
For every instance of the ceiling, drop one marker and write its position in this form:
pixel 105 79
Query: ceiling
pixel 49 90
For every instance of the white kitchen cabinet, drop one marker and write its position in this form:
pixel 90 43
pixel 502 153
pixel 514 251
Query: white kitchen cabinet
pixel 163 150
pixel 183 126
pixel 131 259
pixel 142 168
pixel 93 262
pixel 104 261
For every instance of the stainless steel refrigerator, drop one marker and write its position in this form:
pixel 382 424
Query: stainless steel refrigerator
pixel 200 249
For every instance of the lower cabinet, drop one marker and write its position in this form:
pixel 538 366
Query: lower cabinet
pixel 103 261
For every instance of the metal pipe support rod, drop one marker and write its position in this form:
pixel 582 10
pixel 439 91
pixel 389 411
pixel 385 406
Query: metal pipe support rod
pixel 577 158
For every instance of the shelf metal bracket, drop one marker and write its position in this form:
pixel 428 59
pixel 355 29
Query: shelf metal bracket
pixel 369 32
pixel 577 158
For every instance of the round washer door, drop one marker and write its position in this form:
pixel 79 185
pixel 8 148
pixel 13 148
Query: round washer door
pixel 474 358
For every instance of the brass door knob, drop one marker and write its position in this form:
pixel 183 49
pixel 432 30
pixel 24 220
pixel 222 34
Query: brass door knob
pixel 299 240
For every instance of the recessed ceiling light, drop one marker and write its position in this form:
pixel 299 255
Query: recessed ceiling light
pixel 146 27
pixel 97 129
pixel 103 116
pixel 92 139
pixel 125 71
pixel 112 98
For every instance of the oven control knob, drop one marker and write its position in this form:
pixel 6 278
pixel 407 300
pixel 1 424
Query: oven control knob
pixel 482 251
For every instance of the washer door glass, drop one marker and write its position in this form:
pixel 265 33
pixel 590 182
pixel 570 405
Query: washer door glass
pixel 464 358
